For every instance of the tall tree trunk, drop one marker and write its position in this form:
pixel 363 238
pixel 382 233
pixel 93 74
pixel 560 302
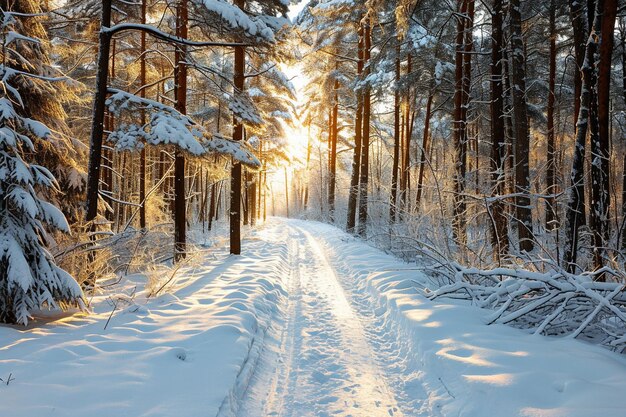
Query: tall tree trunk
pixel 180 93
pixel 309 146
pixel 551 214
pixel 425 145
pixel 108 152
pixel 521 131
pixel 580 27
pixel 499 230
pixel 332 149
pixel 606 11
pixel 97 131
pixel 509 163
pixel 142 157
pixel 235 184
pixel 107 166
pixel 365 147
pixel 97 126
pixel 460 122
pixel 246 197
pixel 408 130
pixel 623 42
pixel 402 185
pixel 393 206
pixel 575 209
pixel 287 191
pixel 358 132
pixel 253 191
pixel 213 204
pixel 467 85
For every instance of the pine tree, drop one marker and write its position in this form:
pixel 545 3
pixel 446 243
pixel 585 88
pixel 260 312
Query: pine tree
pixel 258 22
pixel 29 277
pixel 521 131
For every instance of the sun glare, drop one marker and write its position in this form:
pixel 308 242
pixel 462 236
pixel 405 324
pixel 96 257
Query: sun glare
pixel 297 135
pixel 297 138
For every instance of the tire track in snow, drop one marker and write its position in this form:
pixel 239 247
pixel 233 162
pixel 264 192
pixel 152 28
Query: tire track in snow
pixel 325 365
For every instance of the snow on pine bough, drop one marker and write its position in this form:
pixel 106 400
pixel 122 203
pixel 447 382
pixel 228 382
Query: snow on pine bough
pixel 166 126
pixel 553 303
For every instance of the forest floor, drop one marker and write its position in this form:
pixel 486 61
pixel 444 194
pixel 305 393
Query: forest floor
pixel 309 321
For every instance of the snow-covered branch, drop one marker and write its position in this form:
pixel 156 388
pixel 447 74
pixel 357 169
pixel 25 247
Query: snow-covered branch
pixel 167 126
pixel 554 303
pixel 165 36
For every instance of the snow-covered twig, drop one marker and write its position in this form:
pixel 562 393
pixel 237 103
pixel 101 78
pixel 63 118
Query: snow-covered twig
pixel 554 303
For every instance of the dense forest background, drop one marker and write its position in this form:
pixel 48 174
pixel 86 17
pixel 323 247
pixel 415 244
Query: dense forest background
pixel 464 135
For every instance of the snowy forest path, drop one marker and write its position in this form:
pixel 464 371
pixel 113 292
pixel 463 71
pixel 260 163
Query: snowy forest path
pixel 327 359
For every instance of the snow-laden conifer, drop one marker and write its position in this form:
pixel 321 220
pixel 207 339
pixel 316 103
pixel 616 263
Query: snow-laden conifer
pixel 29 277
pixel 166 126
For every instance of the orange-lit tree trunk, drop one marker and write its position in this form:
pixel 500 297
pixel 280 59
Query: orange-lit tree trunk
pixel 309 146
pixel 358 132
pixel 180 95
pixel 235 184
pixel 142 157
pixel 365 147
pixel 332 149
pixel 396 142
pixel 405 176
pixel 424 156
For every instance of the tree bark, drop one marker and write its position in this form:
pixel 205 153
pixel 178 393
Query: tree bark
pixel 600 147
pixel 309 146
pixel 520 131
pixel 460 120
pixel 623 42
pixel 235 184
pixel 575 209
pixel 142 157
pixel 332 149
pixel 580 31
pixel 287 192
pixel 425 145
pixel 180 93
pixel 499 230
pixel 405 175
pixel 393 206
pixel 365 146
pixel 213 205
pixel 97 126
pixel 358 132
pixel 552 222
pixel 108 154
pixel 253 196
pixel 246 197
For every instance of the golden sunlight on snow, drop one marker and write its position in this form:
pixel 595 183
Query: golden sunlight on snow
pixel 500 380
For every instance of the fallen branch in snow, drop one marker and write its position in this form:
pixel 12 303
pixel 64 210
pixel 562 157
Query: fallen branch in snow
pixel 9 379
pixel 553 303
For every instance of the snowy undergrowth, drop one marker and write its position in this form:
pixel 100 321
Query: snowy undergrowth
pixel 188 352
pixel 553 303
pixel 452 364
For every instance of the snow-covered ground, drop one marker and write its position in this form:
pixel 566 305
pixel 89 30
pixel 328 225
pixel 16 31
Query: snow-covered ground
pixel 308 322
